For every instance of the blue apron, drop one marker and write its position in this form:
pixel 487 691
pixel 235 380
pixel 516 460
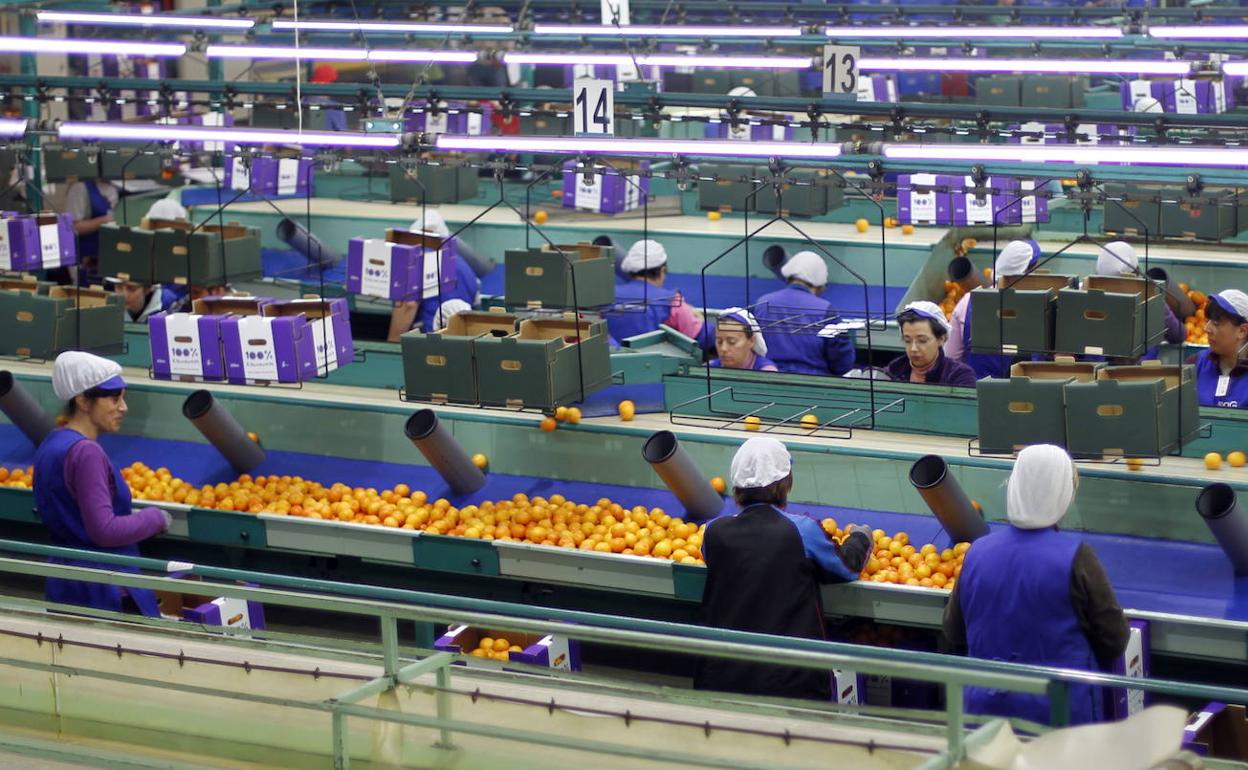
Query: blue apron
pixel 630 316
pixel 1207 374
pixel 60 514
pixel 89 245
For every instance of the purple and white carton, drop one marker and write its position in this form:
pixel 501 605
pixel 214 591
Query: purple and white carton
pixel 260 349
pixel 1084 133
pixel 920 203
pixel 607 193
pixel 1135 662
pixel 206 119
pixel 57 246
pixel 999 204
pixel 377 267
pixel 270 176
pixel 877 88
pixel 19 244
pixel 453 118
pixel 331 332
pixel 748 132
pixel 186 346
pixel 1033 209
pixel 550 651
pixel 1148 95
pixel 227 612
pixel 1184 96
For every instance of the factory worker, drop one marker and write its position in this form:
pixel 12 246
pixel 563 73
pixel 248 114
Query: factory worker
pixel 1014 260
pixel 90 202
pixel 739 342
pixel 1118 258
pixel 143 300
pixel 335 117
pixel 80 496
pixel 167 208
pixel 763 570
pixel 1221 371
pixel 1031 594
pixel 186 302
pixel 924 330
pixel 411 314
pixel 799 315
pixel 642 304
pixel 448 310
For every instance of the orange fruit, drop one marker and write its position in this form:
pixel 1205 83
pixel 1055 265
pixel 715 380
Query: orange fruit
pixel 907 229
pixel 627 410
pixel 1134 463
pixel 251 434
pixel 480 460
pixel 861 225
pixel 718 484
pixel 540 217
pixel 753 423
pixel 1213 461
pixel 714 216
pixel 810 421
pixel 501 645
pixel 549 424
pixel 1236 459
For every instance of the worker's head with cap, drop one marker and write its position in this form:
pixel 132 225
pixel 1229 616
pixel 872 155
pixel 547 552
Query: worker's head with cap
pixel 738 339
pixel 324 73
pixel 1226 323
pixel 1117 258
pixel 645 260
pixel 93 392
pixel 448 310
pixel 1041 487
pixel 762 473
pixel 1016 259
pixel 432 223
pixel 806 268
pixel 924 330
pixel 167 208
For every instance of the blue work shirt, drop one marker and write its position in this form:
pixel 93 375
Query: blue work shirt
pixel 792 319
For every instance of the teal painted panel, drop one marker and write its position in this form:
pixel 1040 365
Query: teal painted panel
pixel 17 505
pixel 226 528
pixel 689 581
pixel 455 554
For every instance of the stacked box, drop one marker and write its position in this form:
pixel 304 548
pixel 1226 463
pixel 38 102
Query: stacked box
pixel 187 346
pixel 272 177
pixel 543 365
pixel 728 193
pixel 877 88
pixel 259 350
pixel 211 255
pixel 403 266
pixel 999 90
pixel 1030 406
pixel 1213 215
pixel 121 161
pixel 1138 216
pixel 19 244
pixel 606 193
pixel 70 163
pixel 925 199
pixel 1110 316
pixel 1016 319
pixel 547 278
pixel 1052 91
pixel 452 118
pixel 127 253
pixel 330 324
pixel 441 366
pixel 1000 205
pixel 65 318
pixel 58 246
pixel 550 650
pixel 1184 96
pixel 1084 133
pixel 801 200
pixel 1132 411
pixel 749 132
pixel 425 184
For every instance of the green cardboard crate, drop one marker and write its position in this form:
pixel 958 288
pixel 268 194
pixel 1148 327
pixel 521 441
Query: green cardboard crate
pixel 801 200
pixel 440 366
pixel 712 81
pixel 127 253
pixel 213 255
pixel 1030 406
pixel 999 90
pixel 70 163
pixel 1132 411
pixel 538 365
pixel 1019 318
pixel 1110 316
pixel 1140 215
pixel 544 278
pixel 66 318
pixel 118 162
pixel 1054 91
pixel 432 184
pixel 727 194
pixel 1213 215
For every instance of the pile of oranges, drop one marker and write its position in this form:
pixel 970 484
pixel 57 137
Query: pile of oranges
pixel 17 477
pixel 495 648
pixel 894 560
pixel 953 293
pixel 1195 324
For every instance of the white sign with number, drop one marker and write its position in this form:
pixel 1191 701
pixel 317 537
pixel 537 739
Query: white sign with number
pixel 840 69
pixel 593 107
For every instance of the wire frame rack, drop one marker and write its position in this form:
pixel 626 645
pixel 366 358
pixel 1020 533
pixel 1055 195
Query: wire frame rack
pixel 741 407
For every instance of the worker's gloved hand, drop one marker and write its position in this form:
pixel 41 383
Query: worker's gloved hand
pixel 168 519
pixel 857 547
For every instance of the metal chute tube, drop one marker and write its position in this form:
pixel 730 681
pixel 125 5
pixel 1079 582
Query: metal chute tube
pixel 480 265
pixel 617 253
pixel 1179 302
pixel 962 272
pixel 443 452
pixel 1218 506
pixel 943 494
pixel 301 240
pixel 774 258
pixel 23 410
pixel 678 471
pixel 222 431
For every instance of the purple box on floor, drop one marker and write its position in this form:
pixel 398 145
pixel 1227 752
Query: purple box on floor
pixel 919 201
pixel 746 132
pixel 19 243
pixel 234 614
pixel 186 346
pixel 1135 663
pixel 605 193
pixel 57 247
pixel 401 266
pixel 330 325
pixel 550 651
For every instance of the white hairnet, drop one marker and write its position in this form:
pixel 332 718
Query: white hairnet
pixel 643 255
pixel 1016 258
pixel 929 310
pixel 746 319
pixel 77 372
pixel 1041 487
pixel 742 91
pixel 1233 301
pixel 1116 258
pixel 167 208
pixel 432 223
pixel 452 307
pixel 806 266
pixel 760 462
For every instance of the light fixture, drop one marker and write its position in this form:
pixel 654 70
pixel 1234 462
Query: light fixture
pixel 1057 66
pixel 126 132
pixel 143 20
pixel 337 54
pixel 973 33
pixel 1235 68
pixel 113 47
pixel 1199 32
pixel 661 60
pixel 389 27
pixel 573 145
pixel 13 128
pixel 640 30
pixel 1070 153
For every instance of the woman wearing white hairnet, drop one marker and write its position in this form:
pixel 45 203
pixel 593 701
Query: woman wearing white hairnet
pixel 1015 259
pixel 805 339
pixel 641 301
pixel 764 566
pixel 1031 594
pixel 411 314
pixel 739 342
pixel 923 333
pixel 1118 258
pixel 1222 370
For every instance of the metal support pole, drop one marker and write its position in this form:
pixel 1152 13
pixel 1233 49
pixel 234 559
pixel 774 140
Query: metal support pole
pixel 954 734
pixel 29 27
pixel 342 758
pixel 444 707
pixel 1059 704
pixel 390 645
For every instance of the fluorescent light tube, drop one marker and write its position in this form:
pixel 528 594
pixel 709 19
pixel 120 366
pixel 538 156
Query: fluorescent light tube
pixel 1069 153
pixel 640 30
pixel 12 128
pixel 608 59
pixel 388 27
pixel 336 54
pixel 1199 32
pixel 114 47
pixel 1058 66
pixel 662 60
pixel 972 33
pixel 573 145
pixel 1235 68
pixel 126 132
pixel 143 20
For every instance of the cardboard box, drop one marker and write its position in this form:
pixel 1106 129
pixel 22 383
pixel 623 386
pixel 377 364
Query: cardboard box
pixel 19 244
pixel 1110 316
pixel 877 88
pixel 451 118
pixel 259 350
pixel 1017 319
pixel 58 246
pixel 1029 407
pixel 546 278
pixel 550 650
pixel 1213 215
pixel 1132 411
pixel 1053 91
pixel 432 184
pixel 271 177
pixel 233 614
pixel 127 253
pixel 212 255
pixel 1084 133
pixel 186 346
pixel 745 131
pixel 441 366
pixel 801 200
pixel 542 364
pixel 1135 662
pixel 999 90
pixel 1218 730
pixel 731 191
pixel 126 161
pixel 329 323
pixel 70 163
pixel 926 199
pixel 1183 96
pixel 403 266
pixel 1137 216
pixel 606 193
pixel 997 201
pixel 65 318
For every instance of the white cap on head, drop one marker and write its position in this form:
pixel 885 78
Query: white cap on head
pixel 931 311
pixel 432 223
pixel 1116 258
pixel 742 91
pixel 1016 258
pixel 76 372
pixel 167 208
pixel 746 319
pixel 760 462
pixel 642 256
pixel 452 307
pixel 1233 301
pixel 1041 487
pixel 806 266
